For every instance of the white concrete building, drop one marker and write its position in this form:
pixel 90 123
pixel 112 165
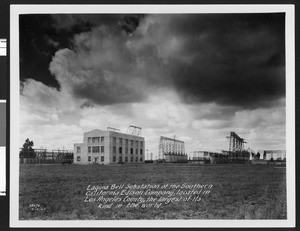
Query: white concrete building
pixel 171 150
pixel 109 147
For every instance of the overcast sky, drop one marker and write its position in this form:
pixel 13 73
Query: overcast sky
pixel 194 76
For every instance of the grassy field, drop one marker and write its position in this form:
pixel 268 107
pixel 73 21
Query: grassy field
pixel 239 191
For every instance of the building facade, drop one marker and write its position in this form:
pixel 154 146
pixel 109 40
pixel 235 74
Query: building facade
pixel 223 157
pixel 200 155
pixel 171 150
pixel 109 147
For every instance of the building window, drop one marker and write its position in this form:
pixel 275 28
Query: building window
pixel 89 158
pixel 102 149
pixel 95 139
pixel 137 143
pixel 78 158
pixel 131 159
pixel 95 149
pixel 126 150
pixel 126 142
pixel 131 142
pixel 78 149
pixel 141 151
pixel 114 159
pixel 102 158
pixel 137 151
pixel 89 139
pixel 120 159
pixel 114 140
pixel 126 159
pixel 114 149
pixel 102 139
pixel 89 149
pixel 131 151
pixel 141 143
pixel 120 141
pixel 120 150
pixel 136 159
pixel 141 159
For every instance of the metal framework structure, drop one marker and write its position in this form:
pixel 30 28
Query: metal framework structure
pixel 236 143
pixel 169 145
pixel 55 154
pixel 134 130
pixel 113 129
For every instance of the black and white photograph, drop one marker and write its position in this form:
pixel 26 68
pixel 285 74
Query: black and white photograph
pixel 159 116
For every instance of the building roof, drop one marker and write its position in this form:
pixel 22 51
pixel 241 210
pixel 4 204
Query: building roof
pixel 109 131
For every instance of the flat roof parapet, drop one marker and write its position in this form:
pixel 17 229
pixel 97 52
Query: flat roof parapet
pixel 171 139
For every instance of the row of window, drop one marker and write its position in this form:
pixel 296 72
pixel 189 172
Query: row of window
pixel 94 140
pixel 137 143
pixel 90 158
pixel 98 149
pixel 101 158
pixel 95 149
pixel 126 150
pixel 114 159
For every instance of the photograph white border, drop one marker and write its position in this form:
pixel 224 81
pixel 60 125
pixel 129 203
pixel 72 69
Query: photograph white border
pixel 16 10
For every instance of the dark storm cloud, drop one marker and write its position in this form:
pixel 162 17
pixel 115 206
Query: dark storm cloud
pixel 229 59
pixel 129 23
pixel 99 68
pixel 80 22
pixel 39 41
pixel 235 59
pixel 42 35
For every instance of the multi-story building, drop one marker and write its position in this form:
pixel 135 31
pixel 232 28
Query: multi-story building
pixel 171 150
pixel 108 147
